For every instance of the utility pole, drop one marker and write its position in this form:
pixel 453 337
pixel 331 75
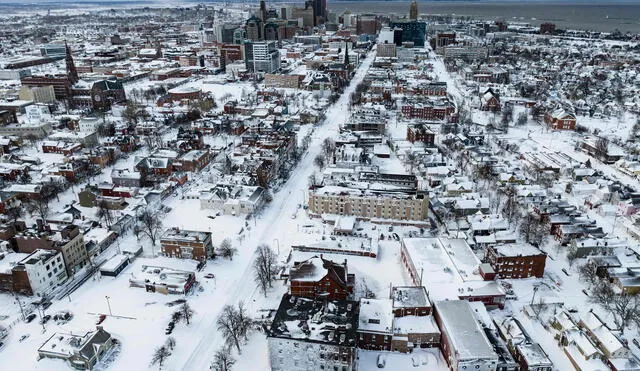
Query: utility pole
pixel 108 305
pixel 535 289
pixel 20 305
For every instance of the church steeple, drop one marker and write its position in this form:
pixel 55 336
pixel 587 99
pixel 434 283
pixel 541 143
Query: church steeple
pixel 72 73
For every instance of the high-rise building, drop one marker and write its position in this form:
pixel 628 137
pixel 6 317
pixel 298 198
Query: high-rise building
pixel 254 28
pixel 262 56
pixel 263 11
pixel 413 11
pixel 367 24
pixel 319 11
pixel 412 31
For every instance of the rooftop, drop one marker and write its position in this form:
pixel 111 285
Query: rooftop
pixel 330 322
pixel 375 316
pixel 467 337
pixel 410 297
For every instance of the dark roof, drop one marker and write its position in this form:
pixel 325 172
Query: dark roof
pixel 330 322
pixel 99 338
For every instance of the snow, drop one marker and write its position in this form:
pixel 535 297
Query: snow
pixel 426 359
pixel 375 316
pixel 464 332
pixel 415 324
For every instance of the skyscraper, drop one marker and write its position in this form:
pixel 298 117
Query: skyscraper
pixel 413 11
pixel 72 72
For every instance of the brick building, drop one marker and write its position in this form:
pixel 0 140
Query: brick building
pixel 560 120
pixel 321 278
pixel 516 261
pixel 375 324
pixel 420 133
pixel 186 244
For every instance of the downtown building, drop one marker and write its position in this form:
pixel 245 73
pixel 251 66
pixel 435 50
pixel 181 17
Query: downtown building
pixel 261 56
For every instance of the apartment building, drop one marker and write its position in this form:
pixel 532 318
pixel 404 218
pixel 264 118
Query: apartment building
pixel 516 261
pixel 368 204
pixel 69 241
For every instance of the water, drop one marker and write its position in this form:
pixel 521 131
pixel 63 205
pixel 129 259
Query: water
pixel 593 15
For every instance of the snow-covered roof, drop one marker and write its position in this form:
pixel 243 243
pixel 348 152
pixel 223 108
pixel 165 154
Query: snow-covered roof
pixel 467 338
pixel 375 316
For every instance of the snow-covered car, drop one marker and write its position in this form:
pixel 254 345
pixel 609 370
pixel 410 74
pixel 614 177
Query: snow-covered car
pixel 382 360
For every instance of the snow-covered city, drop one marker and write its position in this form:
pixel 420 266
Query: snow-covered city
pixel 292 186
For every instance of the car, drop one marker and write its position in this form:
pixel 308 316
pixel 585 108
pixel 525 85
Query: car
pixel 45 319
pixel 101 319
pixel 209 275
pixel 30 318
pixel 23 337
pixel 381 361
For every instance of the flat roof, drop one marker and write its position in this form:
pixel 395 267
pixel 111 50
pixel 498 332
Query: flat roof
pixel 467 338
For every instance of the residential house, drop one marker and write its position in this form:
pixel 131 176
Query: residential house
pixel 81 352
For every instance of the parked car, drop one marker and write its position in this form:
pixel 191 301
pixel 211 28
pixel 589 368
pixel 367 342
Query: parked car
pixel 45 319
pixel 30 318
pixel 382 360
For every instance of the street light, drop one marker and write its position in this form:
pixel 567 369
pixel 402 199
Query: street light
pixel 108 305
pixel 535 289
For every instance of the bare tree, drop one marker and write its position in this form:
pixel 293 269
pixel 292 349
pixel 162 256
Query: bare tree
pixel 624 307
pixel 522 119
pixel 588 272
pixel 150 225
pixel 328 147
pixel 602 147
pixel 14 213
pixel 510 208
pixel 39 207
pixel 228 325
pixel 265 267
pixel 186 312
pixel 226 249
pixel 533 229
pixel 411 158
pixel 160 355
pixel 104 212
pixel 170 343
pixel 572 255
pixel 222 360
pixel 319 161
